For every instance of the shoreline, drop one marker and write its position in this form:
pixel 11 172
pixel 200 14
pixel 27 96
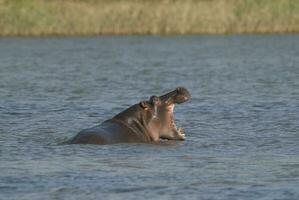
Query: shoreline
pixel 148 35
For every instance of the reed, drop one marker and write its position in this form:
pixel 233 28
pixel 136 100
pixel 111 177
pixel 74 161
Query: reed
pixel 118 17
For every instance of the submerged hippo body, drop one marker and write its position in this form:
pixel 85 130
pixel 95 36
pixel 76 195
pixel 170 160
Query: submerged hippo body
pixel 147 121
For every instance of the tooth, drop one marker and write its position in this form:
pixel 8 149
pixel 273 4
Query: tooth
pixel 181 131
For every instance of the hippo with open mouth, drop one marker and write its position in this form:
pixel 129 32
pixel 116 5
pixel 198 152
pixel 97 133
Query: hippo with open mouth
pixel 147 121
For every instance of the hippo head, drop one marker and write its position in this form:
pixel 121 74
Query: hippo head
pixel 154 118
pixel 160 121
pixel 168 128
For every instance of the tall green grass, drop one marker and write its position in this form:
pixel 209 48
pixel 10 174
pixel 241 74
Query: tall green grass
pixel 94 17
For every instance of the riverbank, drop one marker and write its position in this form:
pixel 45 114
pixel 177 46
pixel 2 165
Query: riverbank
pixel 101 17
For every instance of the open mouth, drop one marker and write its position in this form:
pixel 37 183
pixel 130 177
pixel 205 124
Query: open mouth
pixel 170 109
pixel 178 96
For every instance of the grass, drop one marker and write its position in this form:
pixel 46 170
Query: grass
pixel 118 17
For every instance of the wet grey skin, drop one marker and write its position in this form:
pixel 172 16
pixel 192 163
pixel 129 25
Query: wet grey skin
pixel 147 121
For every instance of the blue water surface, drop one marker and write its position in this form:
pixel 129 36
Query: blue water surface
pixel 242 123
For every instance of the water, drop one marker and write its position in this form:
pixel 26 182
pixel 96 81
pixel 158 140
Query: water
pixel 241 124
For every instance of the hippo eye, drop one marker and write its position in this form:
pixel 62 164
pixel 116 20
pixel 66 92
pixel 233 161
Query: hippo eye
pixel 155 100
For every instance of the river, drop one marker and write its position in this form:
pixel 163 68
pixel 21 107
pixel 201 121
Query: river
pixel 242 123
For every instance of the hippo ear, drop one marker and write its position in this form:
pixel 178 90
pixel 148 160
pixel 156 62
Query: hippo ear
pixel 144 105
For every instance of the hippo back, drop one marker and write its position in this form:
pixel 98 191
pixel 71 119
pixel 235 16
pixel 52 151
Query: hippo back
pixel 108 132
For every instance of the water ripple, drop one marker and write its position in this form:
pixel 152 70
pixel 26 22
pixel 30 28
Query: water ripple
pixel 241 123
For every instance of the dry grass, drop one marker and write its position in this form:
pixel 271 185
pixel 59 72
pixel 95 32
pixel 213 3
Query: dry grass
pixel 97 17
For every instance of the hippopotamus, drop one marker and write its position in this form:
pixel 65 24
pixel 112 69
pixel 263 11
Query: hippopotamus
pixel 146 121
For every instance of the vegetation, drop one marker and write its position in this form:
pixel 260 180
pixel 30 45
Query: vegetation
pixel 96 17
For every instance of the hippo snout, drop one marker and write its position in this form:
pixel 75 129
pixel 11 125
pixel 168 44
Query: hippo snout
pixel 182 96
